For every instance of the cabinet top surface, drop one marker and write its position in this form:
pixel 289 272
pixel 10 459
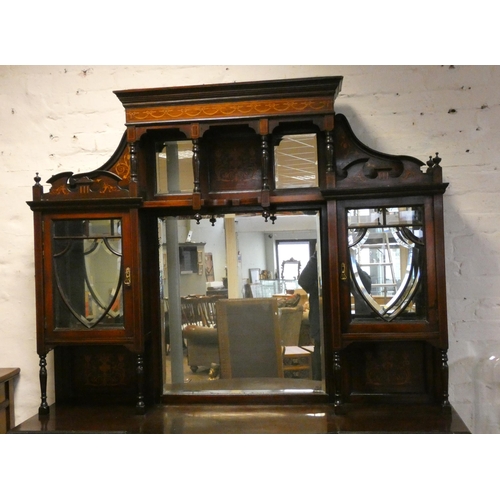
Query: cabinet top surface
pixel 8 373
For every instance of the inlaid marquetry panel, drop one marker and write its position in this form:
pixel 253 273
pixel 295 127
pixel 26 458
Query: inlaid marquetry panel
pixel 100 368
pixel 209 111
pixel 388 368
pixel 234 159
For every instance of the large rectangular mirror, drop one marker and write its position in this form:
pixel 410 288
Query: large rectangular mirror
pixel 222 316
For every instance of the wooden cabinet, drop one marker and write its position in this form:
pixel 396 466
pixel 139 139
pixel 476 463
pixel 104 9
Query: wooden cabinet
pixel 88 294
pixel 7 416
pixel 205 151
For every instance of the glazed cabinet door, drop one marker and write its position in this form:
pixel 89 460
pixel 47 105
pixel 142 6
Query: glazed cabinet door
pixel 388 277
pixel 88 280
pixel 392 337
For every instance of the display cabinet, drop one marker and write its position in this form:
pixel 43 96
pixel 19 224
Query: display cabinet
pixel 88 289
pixel 390 321
pixel 205 152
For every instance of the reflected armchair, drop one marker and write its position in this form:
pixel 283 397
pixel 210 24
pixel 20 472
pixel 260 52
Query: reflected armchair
pixel 290 321
pixel 199 330
pixel 249 338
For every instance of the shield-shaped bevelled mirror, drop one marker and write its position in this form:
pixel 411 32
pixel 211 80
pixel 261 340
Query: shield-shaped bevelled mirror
pixel 386 252
pixel 87 260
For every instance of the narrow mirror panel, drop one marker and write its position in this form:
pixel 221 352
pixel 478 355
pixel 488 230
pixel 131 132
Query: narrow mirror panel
pixel 174 167
pixel 296 162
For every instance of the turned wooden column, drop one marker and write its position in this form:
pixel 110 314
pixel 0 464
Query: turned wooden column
pixel 44 407
pixel 140 406
pixel 337 379
pixel 445 402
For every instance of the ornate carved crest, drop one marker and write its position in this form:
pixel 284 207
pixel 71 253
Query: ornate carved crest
pixel 97 182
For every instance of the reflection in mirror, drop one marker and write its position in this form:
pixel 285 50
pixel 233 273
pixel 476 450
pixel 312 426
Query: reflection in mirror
pixel 290 269
pixel 386 249
pixel 237 244
pixel 87 257
pixel 296 162
pixel 174 168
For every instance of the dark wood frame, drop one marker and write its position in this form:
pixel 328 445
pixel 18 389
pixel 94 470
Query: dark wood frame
pixel 250 117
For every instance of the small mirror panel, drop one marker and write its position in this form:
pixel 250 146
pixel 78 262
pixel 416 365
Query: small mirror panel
pixel 296 162
pixel 174 167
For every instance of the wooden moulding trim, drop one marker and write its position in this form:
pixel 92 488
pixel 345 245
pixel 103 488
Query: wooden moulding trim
pixel 241 109
pixel 85 203
pixel 96 339
pixel 224 201
pixel 383 191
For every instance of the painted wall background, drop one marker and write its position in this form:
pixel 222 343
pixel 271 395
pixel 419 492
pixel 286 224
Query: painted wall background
pixel 66 118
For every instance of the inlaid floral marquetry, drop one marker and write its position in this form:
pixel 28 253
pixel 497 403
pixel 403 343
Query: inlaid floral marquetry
pixel 97 182
pixel 231 109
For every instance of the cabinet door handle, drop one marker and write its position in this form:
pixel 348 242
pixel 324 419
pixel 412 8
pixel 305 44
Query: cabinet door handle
pixel 343 274
pixel 128 280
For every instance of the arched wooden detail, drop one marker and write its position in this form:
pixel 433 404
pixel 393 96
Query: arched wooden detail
pixel 111 180
pixel 360 167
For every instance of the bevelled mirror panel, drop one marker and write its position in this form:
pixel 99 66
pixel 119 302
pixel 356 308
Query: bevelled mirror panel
pixel 387 251
pixel 250 321
pixel 87 262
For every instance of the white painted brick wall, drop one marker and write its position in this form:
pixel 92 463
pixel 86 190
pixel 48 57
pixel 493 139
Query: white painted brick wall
pixel 60 118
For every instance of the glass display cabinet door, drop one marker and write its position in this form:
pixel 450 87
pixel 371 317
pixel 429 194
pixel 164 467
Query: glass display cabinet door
pixel 88 287
pixel 385 263
pixel 89 274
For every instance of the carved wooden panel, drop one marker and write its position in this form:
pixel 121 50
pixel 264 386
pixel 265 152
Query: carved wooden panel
pixel 87 372
pixel 388 368
pixel 358 166
pixel 233 158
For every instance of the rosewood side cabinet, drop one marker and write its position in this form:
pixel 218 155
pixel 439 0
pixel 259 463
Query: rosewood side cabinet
pixel 98 286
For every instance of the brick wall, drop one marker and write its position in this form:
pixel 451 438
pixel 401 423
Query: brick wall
pixel 66 118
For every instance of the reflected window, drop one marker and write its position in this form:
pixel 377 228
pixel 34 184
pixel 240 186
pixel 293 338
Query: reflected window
pixel 296 162
pixel 386 248
pixel 87 261
pixel 174 168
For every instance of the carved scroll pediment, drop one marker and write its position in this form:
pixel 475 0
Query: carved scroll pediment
pixel 373 168
pixel 110 180
pixel 99 182
pixel 357 164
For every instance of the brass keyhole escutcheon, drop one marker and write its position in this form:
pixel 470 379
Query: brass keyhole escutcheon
pixel 128 280
pixel 343 274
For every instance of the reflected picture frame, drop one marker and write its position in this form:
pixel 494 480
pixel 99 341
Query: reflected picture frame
pixel 254 275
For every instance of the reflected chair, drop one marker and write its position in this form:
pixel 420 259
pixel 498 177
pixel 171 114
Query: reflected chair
pixel 199 330
pixel 249 338
pixel 202 346
pixel 290 321
pixel 296 360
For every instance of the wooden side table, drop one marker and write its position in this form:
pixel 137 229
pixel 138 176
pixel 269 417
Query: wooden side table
pixel 7 376
pixel 295 360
